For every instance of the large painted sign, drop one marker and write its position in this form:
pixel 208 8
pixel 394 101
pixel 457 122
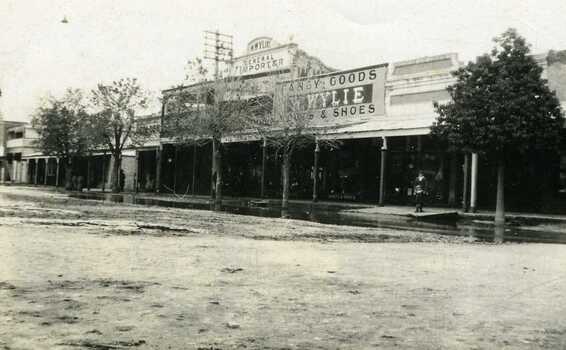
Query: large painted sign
pixel 263 62
pixel 339 97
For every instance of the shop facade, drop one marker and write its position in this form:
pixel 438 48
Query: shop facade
pixel 372 127
pixel 382 127
pixel 374 124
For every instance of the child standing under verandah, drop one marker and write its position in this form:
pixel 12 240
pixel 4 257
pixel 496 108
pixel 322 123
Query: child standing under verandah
pixel 419 189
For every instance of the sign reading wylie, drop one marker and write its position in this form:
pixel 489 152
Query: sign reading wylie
pixel 261 43
pixel 262 62
pixel 339 97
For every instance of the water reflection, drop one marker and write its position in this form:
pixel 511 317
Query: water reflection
pixel 332 215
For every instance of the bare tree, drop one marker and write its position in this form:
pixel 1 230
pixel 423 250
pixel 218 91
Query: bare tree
pixel 285 122
pixel 206 110
pixel 115 122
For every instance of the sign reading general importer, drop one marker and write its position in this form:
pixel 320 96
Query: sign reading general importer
pixel 262 62
pixel 339 97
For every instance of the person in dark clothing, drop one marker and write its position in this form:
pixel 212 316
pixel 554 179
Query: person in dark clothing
pixel 122 179
pixel 419 189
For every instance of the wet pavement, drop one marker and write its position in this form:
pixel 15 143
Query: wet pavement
pixel 515 231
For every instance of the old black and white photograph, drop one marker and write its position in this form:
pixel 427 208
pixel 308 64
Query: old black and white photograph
pixel 282 174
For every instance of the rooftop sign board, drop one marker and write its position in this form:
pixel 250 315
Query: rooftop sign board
pixel 338 98
pixel 264 55
pixel 260 44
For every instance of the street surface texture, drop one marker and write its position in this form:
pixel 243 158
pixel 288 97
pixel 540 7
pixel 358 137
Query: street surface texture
pixel 77 274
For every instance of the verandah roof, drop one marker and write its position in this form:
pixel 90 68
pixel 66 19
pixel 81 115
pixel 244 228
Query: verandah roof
pixel 409 125
pixel 384 126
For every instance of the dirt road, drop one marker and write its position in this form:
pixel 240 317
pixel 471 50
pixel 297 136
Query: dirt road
pixel 80 274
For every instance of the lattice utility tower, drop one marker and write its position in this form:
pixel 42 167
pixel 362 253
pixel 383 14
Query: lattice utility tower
pixel 218 47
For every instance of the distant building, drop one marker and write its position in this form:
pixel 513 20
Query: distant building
pixel 14 142
pixel 23 162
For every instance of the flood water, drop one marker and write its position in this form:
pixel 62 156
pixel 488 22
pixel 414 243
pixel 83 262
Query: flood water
pixel 328 214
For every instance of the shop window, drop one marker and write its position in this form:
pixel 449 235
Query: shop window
pixel 12 135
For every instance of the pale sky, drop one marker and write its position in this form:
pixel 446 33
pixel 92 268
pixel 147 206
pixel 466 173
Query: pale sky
pixel 107 40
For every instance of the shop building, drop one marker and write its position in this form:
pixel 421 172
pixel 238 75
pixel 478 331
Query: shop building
pixel 385 120
pixel 384 140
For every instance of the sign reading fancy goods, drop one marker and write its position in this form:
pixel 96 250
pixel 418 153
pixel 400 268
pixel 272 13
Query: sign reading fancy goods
pixel 339 97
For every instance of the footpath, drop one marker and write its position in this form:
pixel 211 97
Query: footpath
pixel 356 210
pixel 362 210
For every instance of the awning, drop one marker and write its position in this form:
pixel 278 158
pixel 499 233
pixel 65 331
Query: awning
pixel 383 126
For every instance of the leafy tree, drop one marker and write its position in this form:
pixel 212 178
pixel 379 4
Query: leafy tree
pixel 62 125
pixel 501 107
pixel 114 121
pixel 206 110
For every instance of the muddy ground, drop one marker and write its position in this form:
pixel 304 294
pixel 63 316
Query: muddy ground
pixel 78 274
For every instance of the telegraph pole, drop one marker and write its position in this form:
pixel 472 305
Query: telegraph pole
pixel 219 48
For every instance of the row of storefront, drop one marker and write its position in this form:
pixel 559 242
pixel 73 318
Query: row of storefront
pixel 352 172
pixel 380 117
pixel 88 172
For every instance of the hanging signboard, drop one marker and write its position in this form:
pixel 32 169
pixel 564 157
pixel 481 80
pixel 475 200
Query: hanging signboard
pixel 337 98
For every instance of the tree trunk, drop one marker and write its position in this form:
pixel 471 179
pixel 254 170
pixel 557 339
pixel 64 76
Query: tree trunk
pixel 315 173
pixel 116 174
pixel 499 234
pixel 263 165
pixel 103 172
pixel 68 174
pixel 216 175
pixel 213 173
pixel 286 167
pixel 218 185
pixel 500 203
pixel 193 178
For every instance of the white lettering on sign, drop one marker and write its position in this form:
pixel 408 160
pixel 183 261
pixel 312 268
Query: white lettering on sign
pixel 337 97
pixel 334 98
